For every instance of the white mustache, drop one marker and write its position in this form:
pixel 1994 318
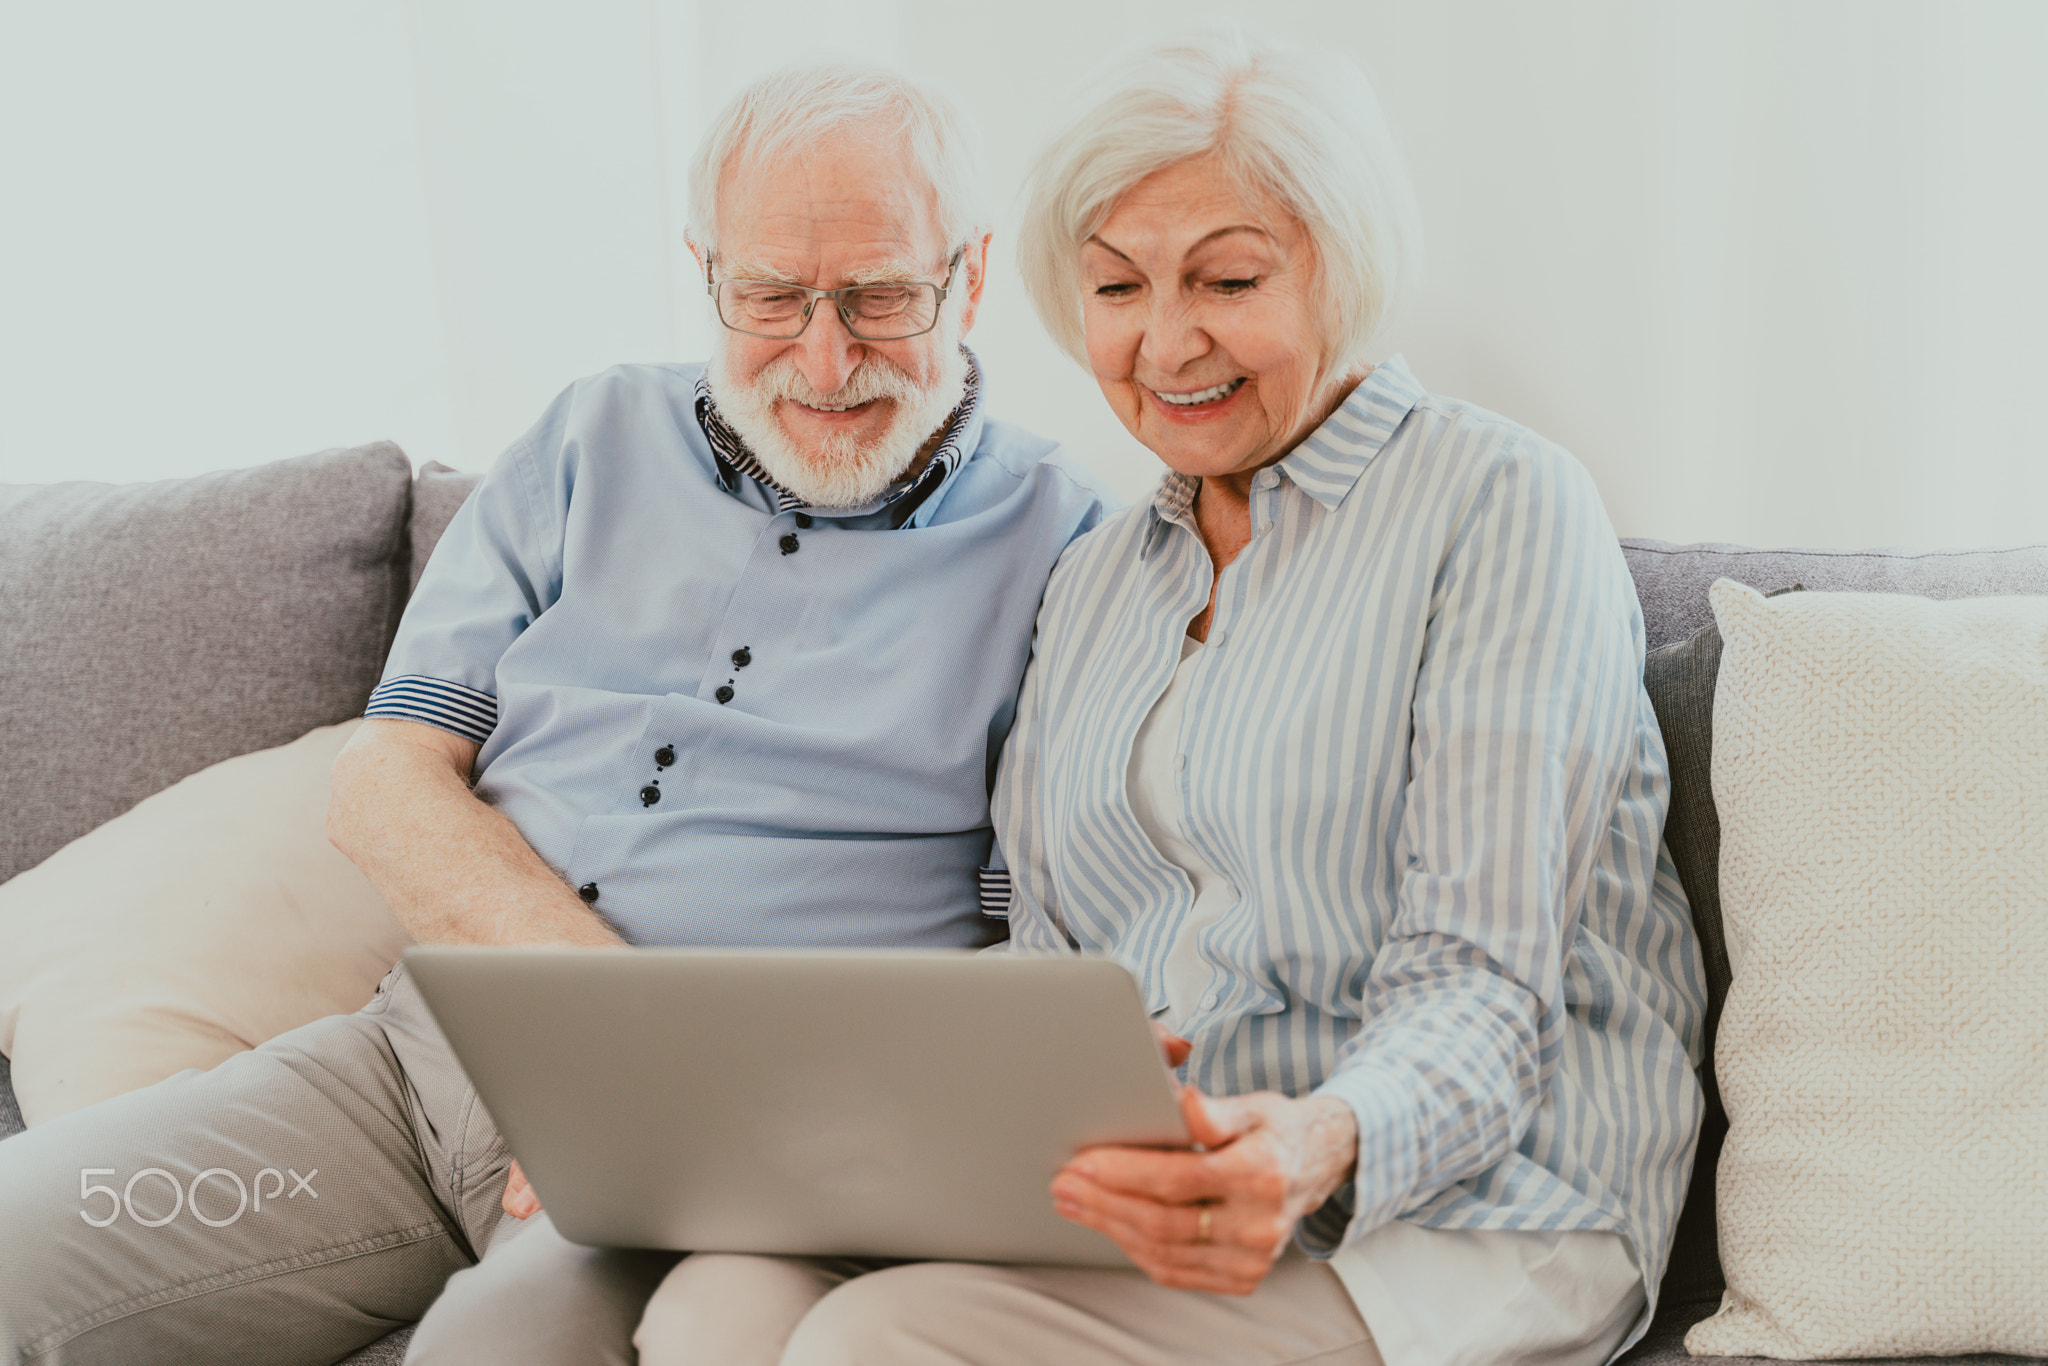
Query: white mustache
pixel 873 378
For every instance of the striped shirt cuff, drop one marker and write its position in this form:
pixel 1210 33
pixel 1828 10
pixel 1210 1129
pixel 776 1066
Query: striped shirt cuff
pixel 1388 1164
pixel 436 702
pixel 995 892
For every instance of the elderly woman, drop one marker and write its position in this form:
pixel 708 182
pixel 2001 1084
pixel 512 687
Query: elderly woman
pixel 1340 743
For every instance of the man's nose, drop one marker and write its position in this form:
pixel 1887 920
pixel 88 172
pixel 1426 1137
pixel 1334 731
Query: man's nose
pixel 827 353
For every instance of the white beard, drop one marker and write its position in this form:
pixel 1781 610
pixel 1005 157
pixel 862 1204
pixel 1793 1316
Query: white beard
pixel 837 471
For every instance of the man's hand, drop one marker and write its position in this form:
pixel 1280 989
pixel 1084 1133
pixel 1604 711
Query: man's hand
pixel 1215 1220
pixel 520 1202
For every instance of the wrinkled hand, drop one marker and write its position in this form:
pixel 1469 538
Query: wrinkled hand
pixel 1268 1162
pixel 520 1202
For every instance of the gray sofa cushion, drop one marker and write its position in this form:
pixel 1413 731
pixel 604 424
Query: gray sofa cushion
pixel 1672 580
pixel 10 1109
pixel 150 630
pixel 1680 680
pixel 388 1350
pixel 436 494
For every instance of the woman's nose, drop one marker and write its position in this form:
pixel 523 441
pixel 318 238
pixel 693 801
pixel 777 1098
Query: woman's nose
pixel 1174 336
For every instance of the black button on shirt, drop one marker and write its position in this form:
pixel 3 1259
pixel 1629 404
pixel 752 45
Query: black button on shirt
pixel 724 694
pixel 588 891
pixel 742 657
pixel 664 756
pixel 649 795
pixel 789 543
pixel 803 520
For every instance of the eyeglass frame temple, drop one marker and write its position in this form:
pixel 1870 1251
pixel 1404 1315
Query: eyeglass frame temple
pixel 944 289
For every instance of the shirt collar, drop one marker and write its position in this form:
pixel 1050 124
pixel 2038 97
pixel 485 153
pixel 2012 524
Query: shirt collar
pixel 903 498
pixel 1329 459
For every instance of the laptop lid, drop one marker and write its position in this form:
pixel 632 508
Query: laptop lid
pixel 887 1103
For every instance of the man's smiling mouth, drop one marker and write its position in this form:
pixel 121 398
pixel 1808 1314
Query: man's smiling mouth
pixel 842 408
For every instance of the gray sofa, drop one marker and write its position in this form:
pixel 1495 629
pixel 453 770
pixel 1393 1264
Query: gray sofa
pixel 150 630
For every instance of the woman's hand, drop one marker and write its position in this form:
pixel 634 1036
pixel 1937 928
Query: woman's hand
pixel 520 1202
pixel 1172 1046
pixel 1215 1220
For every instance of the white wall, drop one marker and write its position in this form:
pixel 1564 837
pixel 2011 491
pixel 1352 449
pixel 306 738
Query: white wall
pixel 1773 270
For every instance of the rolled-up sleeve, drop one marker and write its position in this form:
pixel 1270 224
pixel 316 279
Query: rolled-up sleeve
pixel 496 568
pixel 1524 724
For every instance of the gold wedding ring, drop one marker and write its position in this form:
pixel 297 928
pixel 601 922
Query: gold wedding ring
pixel 1202 1225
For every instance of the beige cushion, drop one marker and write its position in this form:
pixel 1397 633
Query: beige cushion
pixel 1881 770
pixel 210 917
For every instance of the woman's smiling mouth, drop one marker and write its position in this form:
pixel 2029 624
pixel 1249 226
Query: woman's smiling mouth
pixel 1213 394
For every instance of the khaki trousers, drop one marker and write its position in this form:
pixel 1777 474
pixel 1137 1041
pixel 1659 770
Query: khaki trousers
pixel 291 1205
pixel 731 1310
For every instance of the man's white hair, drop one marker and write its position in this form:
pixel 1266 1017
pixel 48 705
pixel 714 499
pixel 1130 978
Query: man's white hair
pixel 799 105
pixel 1303 127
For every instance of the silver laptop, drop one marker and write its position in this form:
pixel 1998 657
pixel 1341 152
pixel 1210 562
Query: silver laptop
pixel 851 1102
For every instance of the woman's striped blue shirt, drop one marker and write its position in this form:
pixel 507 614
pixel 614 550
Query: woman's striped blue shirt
pixel 1418 745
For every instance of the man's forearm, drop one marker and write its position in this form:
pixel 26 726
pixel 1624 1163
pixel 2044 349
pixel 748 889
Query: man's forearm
pixel 452 870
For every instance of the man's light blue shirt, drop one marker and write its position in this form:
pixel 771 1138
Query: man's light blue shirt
pixel 723 721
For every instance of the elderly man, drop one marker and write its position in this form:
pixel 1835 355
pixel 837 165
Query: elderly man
pixel 715 655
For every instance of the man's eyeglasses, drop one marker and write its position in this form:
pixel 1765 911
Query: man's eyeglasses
pixel 884 312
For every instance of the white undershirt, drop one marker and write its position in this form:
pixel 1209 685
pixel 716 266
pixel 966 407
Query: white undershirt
pixel 1155 796
pixel 1431 1297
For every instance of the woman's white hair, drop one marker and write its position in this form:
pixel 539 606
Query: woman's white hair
pixel 799 105
pixel 1303 127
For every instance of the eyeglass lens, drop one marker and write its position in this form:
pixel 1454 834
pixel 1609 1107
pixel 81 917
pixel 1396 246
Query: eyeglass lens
pixel 871 312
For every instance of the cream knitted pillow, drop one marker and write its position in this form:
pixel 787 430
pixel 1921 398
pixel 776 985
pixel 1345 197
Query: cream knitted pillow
pixel 1881 769
pixel 212 916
